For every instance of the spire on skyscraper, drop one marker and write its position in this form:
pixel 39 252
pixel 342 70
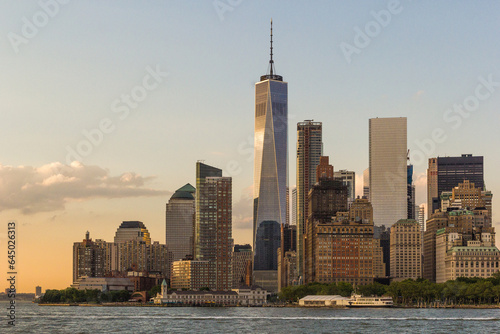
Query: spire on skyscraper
pixel 271 62
pixel 271 71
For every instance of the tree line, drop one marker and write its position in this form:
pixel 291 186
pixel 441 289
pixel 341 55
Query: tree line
pixel 468 291
pixel 72 295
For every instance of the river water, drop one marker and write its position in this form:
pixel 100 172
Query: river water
pixel 31 318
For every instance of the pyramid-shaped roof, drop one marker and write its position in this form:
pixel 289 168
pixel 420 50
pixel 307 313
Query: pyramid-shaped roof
pixel 187 188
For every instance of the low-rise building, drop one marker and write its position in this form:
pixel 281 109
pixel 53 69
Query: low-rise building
pixel 244 296
pixel 251 295
pixel 454 260
pixel 225 298
pixel 104 284
pixel 324 300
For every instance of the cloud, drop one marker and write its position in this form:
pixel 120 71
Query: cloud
pixel 50 187
pixel 418 95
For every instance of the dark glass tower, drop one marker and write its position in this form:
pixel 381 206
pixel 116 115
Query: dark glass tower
pixel 270 173
pixel 445 173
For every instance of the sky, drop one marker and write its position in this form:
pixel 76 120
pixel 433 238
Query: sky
pixel 106 106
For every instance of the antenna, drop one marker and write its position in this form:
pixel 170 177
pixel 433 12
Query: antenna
pixel 271 62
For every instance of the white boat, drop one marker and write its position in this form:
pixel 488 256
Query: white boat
pixel 359 301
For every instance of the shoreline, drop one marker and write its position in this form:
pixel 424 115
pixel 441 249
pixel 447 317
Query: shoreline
pixel 277 306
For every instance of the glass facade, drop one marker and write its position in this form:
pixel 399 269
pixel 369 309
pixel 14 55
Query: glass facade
pixel 445 173
pixel 270 170
pixel 388 171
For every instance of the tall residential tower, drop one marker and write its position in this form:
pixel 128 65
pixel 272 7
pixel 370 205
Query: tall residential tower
pixel 213 228
pixel 309 149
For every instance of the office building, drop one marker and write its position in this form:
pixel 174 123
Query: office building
pixel 388 171
pixel 241 256
pixel 179 222
pixel 445 173
pixel 348 178
pixel 378 259
pixel 366 183
pixel 141 256
pixel 288 238
pixel 412 214
pixel 132 230
pixel 406 257
pixel 324 170
pixel 383 234
pixel 456 256
pixel 287 269
pixel 462 220
pixel 421 216
pixel 339 249
pixel 467 196
pixel 191 275
pixel 361 210
pixel 326 198
pixel 104 284
pixel 294 206
pixel 270 174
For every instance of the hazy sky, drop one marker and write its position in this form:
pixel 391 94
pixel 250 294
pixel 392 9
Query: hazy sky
pixel 141 90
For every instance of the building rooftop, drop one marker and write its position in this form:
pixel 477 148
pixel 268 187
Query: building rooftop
pixel 474 248
pixel 188 188
pixel 228 293
pixel 324 297
pixel 132 224
pixel 407 221
pixel 182 195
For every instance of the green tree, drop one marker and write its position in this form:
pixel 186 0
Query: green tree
pixel 154 290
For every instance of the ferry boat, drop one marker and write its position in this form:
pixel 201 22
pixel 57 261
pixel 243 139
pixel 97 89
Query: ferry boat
pixel 359 301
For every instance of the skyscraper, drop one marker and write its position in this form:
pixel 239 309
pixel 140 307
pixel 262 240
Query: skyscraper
pixel 445 173
pixel 213 229
pixel 406 258
pixel 204 233
pixel 366 183
pixel 132 230
pixel 241 256
pixel 348 178
pixel 326 198
pixel 270 173
pixel 411 213
pixel 388 171
pixel 309 150
pixel 294 206
pixel 179 222
pixel 90 258
pixel 421 217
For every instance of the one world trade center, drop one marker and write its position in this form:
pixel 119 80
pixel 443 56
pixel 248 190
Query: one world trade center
pixel 270 173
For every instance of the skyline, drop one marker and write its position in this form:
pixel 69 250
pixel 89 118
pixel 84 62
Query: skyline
pixel 67 78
